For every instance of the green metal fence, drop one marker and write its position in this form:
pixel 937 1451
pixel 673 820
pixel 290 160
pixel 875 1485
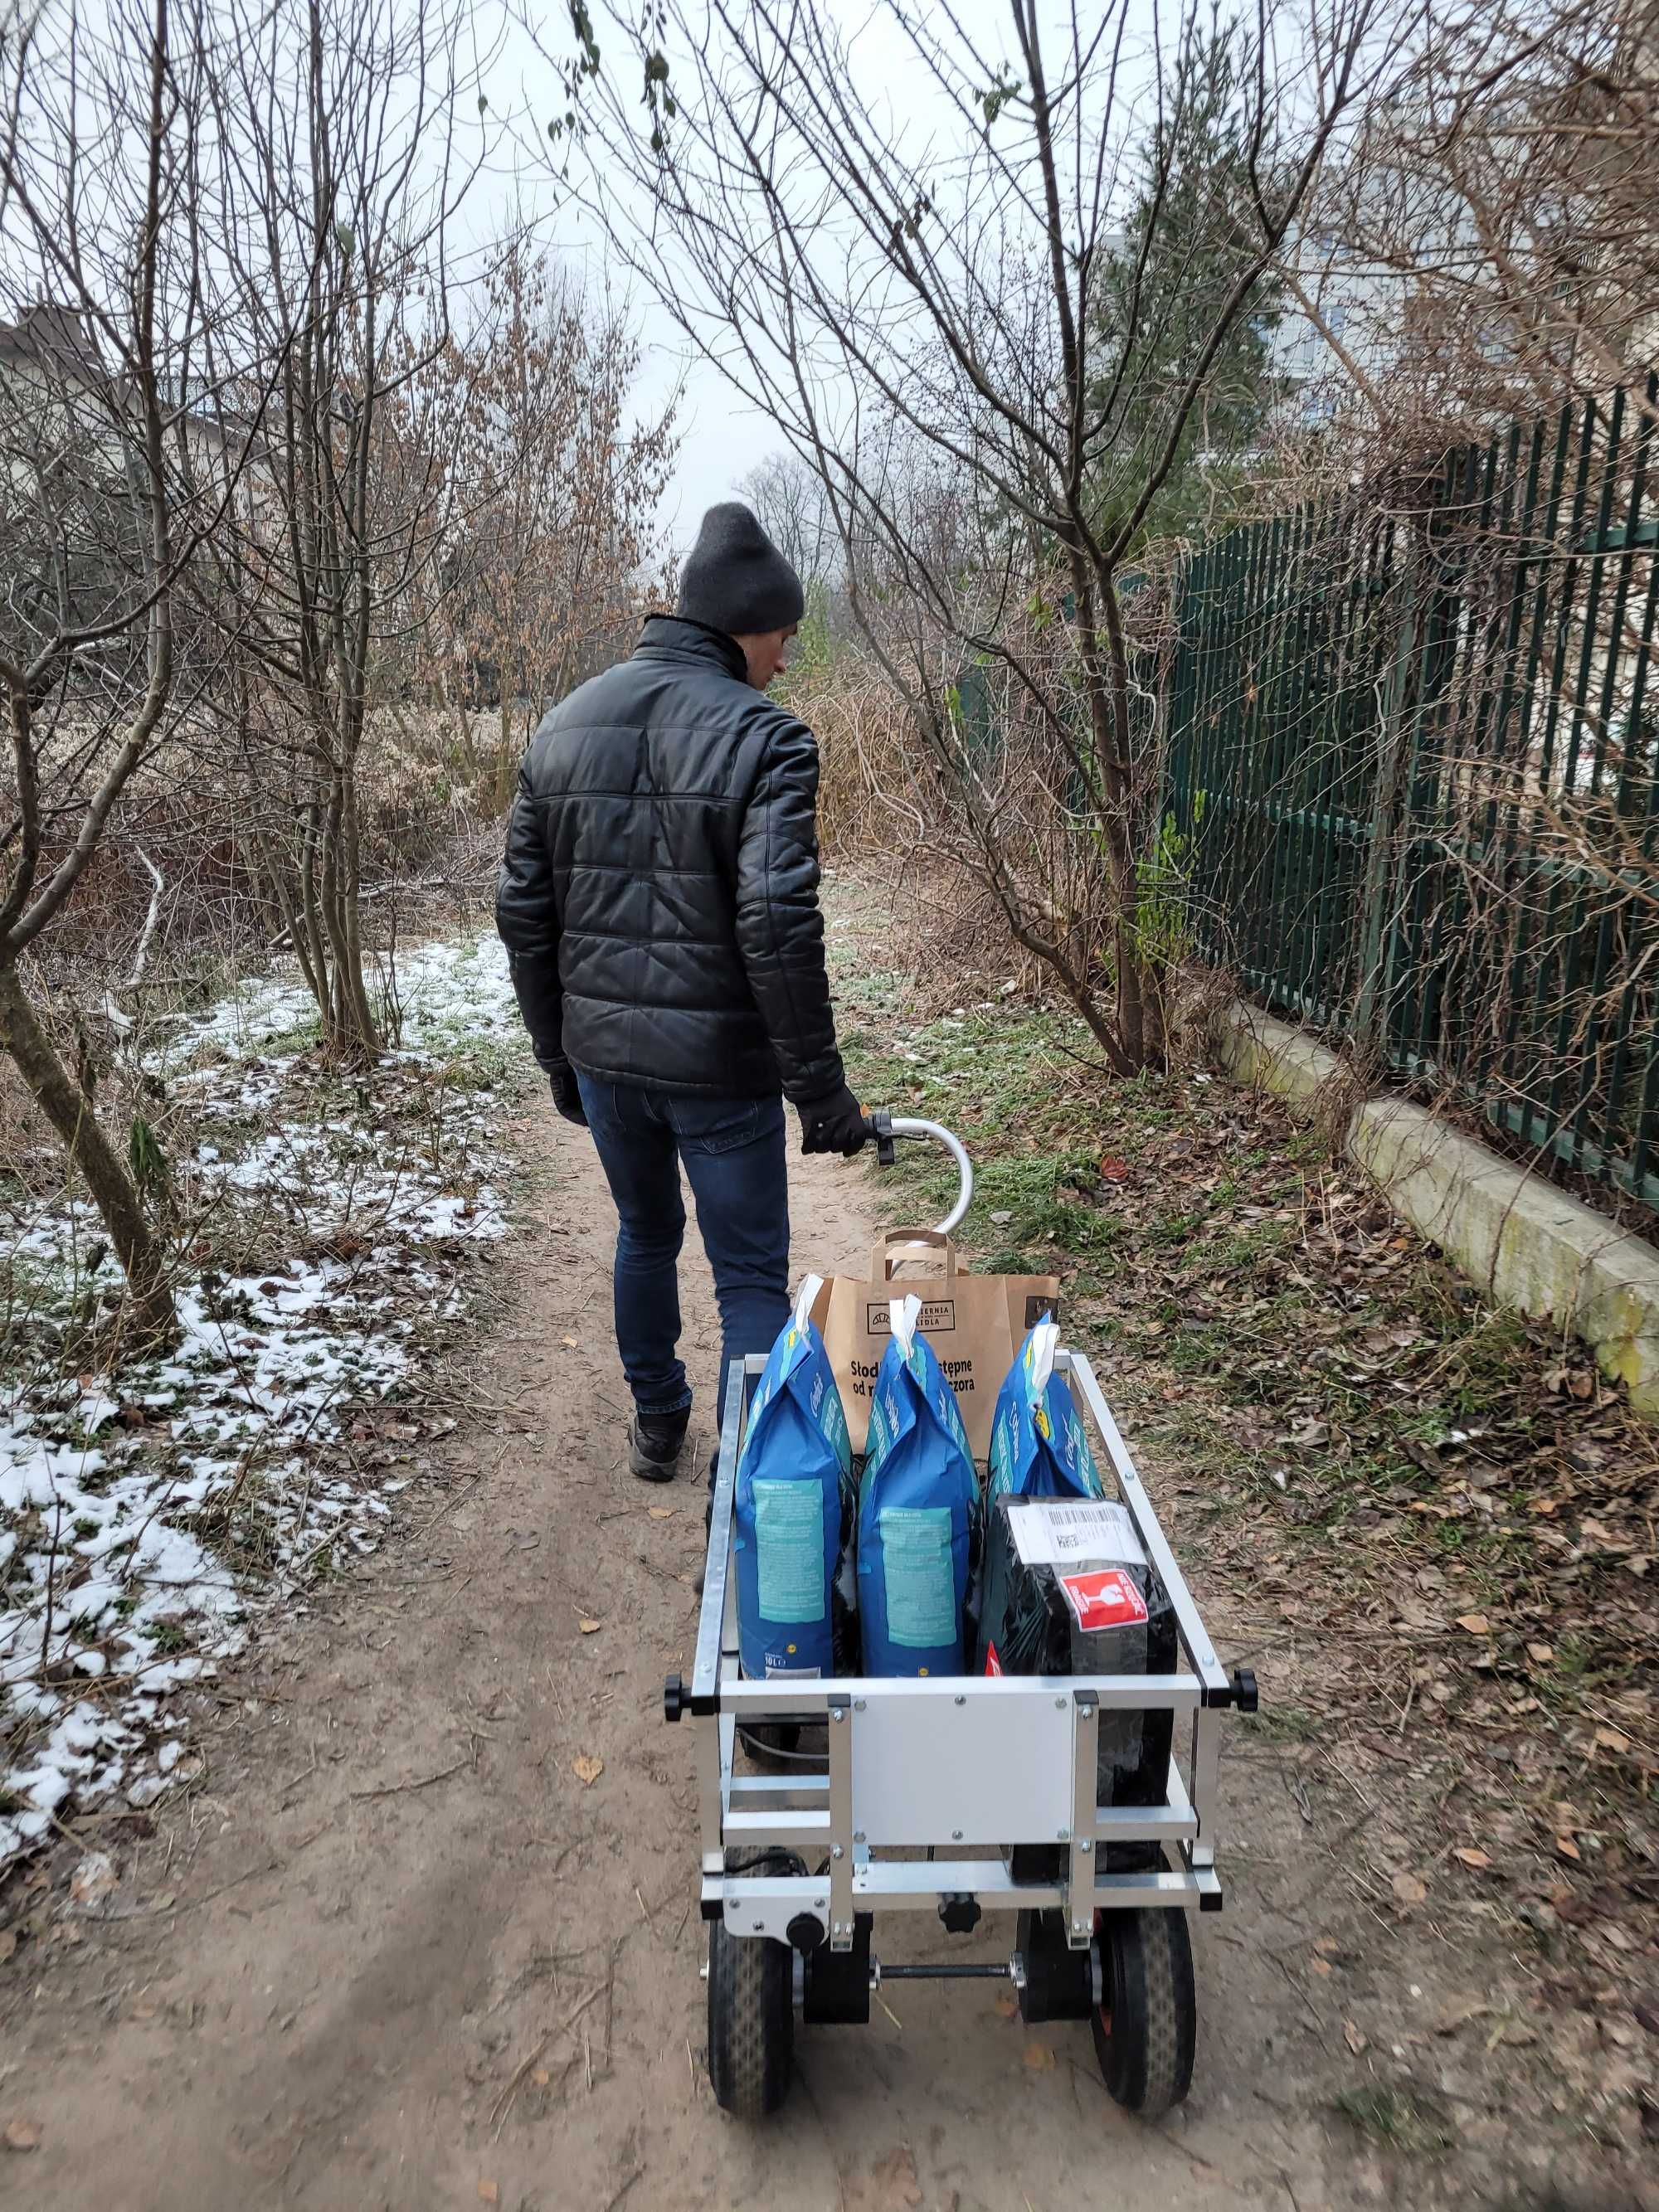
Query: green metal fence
pixel 1414 751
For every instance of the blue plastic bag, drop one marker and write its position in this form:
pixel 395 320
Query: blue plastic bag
pixel 919 1513
pixel 796 1462
pixel 1038 1445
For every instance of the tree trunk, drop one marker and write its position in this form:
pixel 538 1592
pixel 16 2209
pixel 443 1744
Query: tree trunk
pixel 69 1111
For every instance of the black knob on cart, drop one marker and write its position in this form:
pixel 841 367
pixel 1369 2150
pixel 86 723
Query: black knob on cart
pixel 674 1699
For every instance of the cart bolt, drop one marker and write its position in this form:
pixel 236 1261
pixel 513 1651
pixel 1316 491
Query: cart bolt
pixel 857 1835
pixel 1060 1704
pixel 759 1927
pixel 837 1852
pixel 962 1701
pixel 1085 1845
pixel 1063 1835
pixel 838 1712
pixel 859 1705
pixel 955 1835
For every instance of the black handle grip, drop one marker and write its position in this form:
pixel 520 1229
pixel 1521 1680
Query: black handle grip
pixel 878 1128
pixel 674 1699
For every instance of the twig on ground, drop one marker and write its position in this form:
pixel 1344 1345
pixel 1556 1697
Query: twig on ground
pixel 503 2103
pixel 398 1788
pixel 636 2175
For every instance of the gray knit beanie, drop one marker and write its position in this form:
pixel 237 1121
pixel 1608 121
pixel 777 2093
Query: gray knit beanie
pixel 735 579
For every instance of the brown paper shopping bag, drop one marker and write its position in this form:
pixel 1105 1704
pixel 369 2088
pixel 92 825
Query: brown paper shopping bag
pixel 974 1323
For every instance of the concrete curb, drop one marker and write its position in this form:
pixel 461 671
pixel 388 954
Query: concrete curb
pixel 1527 1244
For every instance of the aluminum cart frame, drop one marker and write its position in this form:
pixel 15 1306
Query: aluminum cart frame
pixel 967 1770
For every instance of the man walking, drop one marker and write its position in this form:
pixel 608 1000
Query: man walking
pixel 659 900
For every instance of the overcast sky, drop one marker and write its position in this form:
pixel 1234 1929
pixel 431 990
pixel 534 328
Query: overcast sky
pixel 722 441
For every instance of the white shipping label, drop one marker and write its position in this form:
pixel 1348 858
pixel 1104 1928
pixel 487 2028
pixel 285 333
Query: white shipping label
pixel 1057 1532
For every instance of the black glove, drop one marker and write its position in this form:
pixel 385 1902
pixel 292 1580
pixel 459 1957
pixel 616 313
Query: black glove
pixel 835 1124
pixel 562 1082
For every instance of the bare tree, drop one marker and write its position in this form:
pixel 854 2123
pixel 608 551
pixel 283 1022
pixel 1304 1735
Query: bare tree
pixel 101 504
pixel 548 543
pixel 1486 242
pixel 337 170
pixel 925 315
pixel 789 498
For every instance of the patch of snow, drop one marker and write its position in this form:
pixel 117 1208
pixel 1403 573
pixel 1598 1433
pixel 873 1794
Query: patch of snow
pixel 147 1517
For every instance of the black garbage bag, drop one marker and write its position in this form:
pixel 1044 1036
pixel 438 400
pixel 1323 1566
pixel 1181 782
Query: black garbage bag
pixel 1068 1589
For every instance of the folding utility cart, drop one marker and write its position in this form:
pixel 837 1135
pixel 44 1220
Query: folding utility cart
pixel 954 1796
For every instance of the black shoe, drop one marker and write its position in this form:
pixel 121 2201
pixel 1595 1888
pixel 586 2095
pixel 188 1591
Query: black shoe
pixel 654 1441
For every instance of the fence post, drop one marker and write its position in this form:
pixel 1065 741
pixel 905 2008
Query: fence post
pixel 1395 746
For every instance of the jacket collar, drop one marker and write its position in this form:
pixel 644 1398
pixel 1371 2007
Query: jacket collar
pixel 672 637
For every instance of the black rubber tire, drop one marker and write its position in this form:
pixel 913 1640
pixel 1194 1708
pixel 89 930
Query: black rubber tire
pixel 1147 2026
pixel 751 2021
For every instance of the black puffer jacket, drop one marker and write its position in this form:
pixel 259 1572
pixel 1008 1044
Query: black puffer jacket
pixel 659 892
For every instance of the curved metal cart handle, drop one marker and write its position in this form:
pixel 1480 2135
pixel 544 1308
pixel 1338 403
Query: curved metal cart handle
pixel 883 1128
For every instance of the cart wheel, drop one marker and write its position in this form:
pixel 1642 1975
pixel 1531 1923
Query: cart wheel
pixel 1146 2025
pixel 751 2021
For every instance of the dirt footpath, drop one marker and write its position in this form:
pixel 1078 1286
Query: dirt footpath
pixel 401 1952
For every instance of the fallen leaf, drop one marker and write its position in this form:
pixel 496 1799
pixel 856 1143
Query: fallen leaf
pixel 1327 1946
pixel 1541 1654
pixel 586 1768
pixel 1008 2005
pixel 1114 1170
pixel 1352 2038
pixel 489 2193
pixel 660 1512
pixel 1038 2057
pixel 572 1343
pixel 1456 2011
pixel 21 2134
pixel 896 2174
pixel 1319 1965
pixel 1408 1890
pixel 1471 1857
pixel 1609 1738
pixel 1567 1848
pixel 1476 1623
pixel 540 2076
pixel 93 1879
pixel 590 1627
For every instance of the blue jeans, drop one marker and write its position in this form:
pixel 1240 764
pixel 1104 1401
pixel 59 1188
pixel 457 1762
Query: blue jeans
pixel 733 1153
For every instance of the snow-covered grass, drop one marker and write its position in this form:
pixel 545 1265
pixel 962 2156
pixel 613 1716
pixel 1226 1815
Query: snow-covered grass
pixel 147 1514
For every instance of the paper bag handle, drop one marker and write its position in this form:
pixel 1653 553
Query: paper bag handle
pixel 884 1257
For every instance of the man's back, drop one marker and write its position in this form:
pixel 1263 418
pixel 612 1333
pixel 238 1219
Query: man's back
pixel 661 873
pixel 660 902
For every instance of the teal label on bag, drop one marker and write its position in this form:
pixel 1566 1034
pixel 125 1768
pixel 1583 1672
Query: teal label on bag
pixel 917 1577
pixel 789 1551
pixel 827 1411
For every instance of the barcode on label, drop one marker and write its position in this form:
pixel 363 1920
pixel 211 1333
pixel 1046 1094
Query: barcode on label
pixel 1054 1532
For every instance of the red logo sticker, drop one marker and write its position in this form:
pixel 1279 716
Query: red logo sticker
pixel 1106 1599
pixel 993 1664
